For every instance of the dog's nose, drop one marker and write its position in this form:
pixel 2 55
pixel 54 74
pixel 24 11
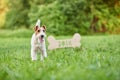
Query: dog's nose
pixel 42 36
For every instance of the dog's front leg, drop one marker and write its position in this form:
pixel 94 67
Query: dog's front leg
pixel 44 51
pixel 43 54
pixel 33 54
pixel 42 57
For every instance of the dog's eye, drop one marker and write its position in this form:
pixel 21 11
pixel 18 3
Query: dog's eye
pixel 43 30
pixel 38 30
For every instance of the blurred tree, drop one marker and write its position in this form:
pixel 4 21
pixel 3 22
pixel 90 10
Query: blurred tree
pixel 66 16
pixel 18 14
pixel 3 10
pixel 50 15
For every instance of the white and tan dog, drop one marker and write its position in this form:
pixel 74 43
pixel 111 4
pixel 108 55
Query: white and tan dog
pixel 38 41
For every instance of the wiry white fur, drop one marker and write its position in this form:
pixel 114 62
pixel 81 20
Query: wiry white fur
pixel 37 45
pixel 38 23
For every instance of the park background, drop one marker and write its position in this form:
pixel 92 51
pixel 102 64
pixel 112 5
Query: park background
pixel 62 17
pixel 97 21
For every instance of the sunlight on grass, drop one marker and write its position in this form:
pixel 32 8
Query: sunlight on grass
pixel 16 33
pixel 96 59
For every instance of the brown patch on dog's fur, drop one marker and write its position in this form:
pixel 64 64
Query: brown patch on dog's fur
pixel 38 29
pixel 44 27
pixel 35 28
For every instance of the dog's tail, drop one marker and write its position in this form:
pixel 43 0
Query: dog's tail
pixel 38 23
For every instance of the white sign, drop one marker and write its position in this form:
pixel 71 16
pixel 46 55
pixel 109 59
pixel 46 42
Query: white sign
pixel 73 42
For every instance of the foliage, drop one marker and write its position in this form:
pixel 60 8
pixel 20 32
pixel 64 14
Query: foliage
pixel 96 59
pixel 3 10
pixel 66 16
pixel 20 33
pixel 50 16
pixel 17 16
pixel 63 16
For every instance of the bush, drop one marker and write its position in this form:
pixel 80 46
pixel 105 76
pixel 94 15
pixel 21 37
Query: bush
pixel 50 15
pixel 17 15
pixel 65 17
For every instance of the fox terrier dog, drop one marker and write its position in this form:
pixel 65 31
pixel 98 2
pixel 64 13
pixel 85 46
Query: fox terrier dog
pixel 38 41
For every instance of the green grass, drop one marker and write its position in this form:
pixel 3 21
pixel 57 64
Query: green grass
pixel 97 59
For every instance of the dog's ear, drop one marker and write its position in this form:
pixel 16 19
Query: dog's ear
pixel 44 27
pixel 35 28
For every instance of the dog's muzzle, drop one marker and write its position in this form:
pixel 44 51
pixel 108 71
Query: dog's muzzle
pixel 42 36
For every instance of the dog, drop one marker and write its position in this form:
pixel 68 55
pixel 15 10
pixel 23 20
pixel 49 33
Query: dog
pixel 38 41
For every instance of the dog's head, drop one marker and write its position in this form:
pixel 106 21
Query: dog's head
pixel 40 31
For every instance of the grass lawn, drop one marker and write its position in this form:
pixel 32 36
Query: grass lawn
pixel 97 59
